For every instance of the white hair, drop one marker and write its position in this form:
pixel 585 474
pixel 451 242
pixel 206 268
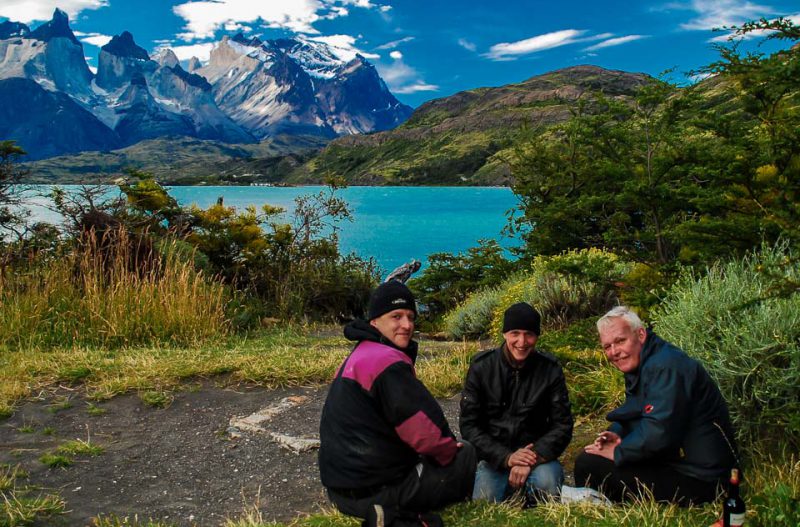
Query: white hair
pixel 623 312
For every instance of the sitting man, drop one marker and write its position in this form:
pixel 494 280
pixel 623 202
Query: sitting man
pixel 386 448
pixel 672 437
pixel 515 410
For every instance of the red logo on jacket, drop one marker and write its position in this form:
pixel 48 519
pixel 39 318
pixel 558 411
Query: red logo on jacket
pixel 648 408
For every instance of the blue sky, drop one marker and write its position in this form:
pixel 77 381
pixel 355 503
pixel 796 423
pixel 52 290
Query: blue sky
pixel 430 49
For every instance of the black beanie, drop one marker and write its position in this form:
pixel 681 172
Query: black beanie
pixel 389 296
pixel 522 316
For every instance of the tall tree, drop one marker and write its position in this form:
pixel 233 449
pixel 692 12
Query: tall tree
pixel 761 138
pixel 610 177
pixel 10 174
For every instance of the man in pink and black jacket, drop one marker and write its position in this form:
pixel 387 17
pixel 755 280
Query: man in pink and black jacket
pixel 384 438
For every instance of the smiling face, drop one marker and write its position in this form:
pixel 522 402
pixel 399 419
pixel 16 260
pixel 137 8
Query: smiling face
pixel 520 343
pixel 397 326
pixel 622 345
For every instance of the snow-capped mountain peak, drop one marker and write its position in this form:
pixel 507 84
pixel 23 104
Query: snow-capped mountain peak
pixel 57 27
pixel 250 89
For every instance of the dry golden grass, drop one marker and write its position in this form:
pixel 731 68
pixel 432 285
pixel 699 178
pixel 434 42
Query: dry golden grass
pixel 83 298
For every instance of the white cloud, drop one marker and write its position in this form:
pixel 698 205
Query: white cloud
pixel 366 4
pixel 697 77
pixel 96 39
pixel 510 50
pixel 615 42
pixel 466 44
pixel 730 35
pixel 394 43
pixel 402 78
pixel 396 55
pixel 28 11
pixel 343 46
pixel 201 51
pixel 417 87
pixel 235 26
pixel 385 8
pixel 719 13
pixel 204 17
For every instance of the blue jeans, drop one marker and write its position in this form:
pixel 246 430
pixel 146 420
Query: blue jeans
pixel 492 485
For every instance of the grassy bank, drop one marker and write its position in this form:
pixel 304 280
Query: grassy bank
pixel 309 356
pixel 281 357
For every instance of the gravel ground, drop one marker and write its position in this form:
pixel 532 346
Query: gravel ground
pixel 178 464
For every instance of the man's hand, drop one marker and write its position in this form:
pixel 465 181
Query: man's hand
pixel 518 475
pixel 524 457
pixel 604 445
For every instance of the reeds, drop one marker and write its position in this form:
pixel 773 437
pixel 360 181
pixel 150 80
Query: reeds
pixel 105 295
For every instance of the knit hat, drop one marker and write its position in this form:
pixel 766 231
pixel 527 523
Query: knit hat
pixel 390 296
pixel 522 316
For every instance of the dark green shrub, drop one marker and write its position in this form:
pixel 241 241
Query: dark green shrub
pixel 743 323
pixel 450 278
pixel 566 287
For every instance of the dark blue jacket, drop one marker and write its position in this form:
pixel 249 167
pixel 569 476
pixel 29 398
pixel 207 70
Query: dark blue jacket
pixel 673 413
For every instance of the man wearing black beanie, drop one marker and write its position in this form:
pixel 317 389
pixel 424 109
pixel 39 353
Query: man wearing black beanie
pixel 386 450
pixel 515 410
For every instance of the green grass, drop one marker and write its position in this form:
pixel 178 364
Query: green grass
pixel 82 298
pixel 113 520
pixel 156 398
pixel 293 356
pixel 56 460
pixel 94 410
pixel 773 497
pixel 79 448
pixel 22 505
pixel 280 357
pixel 59 405
pixel 64 455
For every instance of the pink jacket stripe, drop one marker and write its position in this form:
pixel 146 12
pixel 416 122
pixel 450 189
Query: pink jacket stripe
pixel 369 360
pixel 426 438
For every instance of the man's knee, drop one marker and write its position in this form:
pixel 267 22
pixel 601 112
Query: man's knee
pixel 547 478
pixel 490 484
pixel 590 468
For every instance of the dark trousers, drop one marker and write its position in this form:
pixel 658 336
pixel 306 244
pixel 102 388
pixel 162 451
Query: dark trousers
pixel 426 487
pixel 629 482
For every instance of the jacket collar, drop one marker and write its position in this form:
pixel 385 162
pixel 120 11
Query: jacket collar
pixel 649 348
pixel 359 330
pixel 511 362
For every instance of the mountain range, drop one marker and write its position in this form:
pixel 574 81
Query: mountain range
pixel 250 91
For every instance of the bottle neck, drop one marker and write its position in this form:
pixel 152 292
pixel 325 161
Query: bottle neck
pixel 733 489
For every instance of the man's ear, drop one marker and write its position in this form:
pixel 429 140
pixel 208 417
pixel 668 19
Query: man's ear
pixel 372 323
pixel 641 334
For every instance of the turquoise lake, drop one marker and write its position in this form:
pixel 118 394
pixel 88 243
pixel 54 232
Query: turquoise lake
pixel 391 224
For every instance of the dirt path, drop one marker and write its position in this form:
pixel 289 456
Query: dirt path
pixel 180 464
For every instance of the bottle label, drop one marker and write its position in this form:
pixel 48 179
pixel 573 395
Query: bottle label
pixel 736 519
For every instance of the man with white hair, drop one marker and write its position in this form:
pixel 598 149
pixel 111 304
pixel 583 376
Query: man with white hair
pixel 672 437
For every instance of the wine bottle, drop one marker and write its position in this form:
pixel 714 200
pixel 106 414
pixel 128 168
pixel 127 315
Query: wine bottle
pixel 733 508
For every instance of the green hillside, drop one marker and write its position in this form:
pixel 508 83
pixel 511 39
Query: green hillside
pixel 465 139
pixel 182 160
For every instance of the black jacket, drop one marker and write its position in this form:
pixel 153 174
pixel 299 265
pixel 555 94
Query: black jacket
pixel 673 413
pixel 504 408
pixel 378 418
